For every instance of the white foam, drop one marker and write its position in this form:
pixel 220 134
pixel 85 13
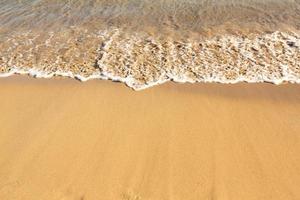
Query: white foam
pixel 115 42
pixel 129 81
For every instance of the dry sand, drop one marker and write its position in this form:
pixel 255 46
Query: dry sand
pixel 66 140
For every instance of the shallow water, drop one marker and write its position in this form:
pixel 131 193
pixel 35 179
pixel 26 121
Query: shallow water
pixel 143 43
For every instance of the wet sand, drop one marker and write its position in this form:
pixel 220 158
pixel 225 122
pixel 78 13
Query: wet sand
pixel 66 140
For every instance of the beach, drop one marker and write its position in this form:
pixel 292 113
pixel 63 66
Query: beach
pixel 66 140
pixel 149 100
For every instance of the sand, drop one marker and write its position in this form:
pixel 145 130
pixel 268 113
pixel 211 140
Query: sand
pixel 66 140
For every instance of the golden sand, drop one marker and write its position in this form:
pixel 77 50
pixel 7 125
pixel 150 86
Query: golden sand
pixel 66 140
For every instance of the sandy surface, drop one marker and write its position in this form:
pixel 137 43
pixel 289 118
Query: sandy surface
pixel 66 140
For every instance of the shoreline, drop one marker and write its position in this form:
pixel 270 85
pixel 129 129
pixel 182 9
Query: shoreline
pixel 69 75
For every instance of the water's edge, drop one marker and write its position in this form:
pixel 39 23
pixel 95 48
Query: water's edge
pixel 38 74
pixel 142 61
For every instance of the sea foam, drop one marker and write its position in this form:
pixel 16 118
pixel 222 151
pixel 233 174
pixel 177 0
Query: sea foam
pixel 142 60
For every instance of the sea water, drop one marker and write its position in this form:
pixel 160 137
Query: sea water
pixel 144 42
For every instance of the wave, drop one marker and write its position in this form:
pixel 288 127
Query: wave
pixel 144 43
pixel 143 60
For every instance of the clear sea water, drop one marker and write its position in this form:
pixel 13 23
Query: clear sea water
pixel 146 42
